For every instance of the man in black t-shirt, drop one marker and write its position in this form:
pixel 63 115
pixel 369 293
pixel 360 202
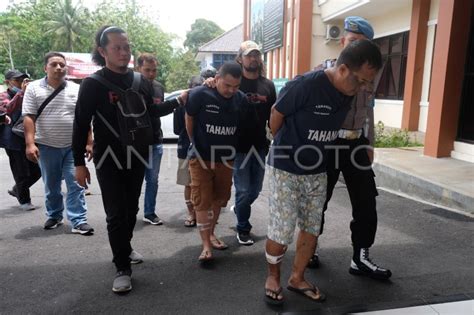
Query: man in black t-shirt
pixel 252 147
pixel 120 168
pixel 305 121
pixel 212 117
pixel 148 67
pixel 183 177
pixel 354 160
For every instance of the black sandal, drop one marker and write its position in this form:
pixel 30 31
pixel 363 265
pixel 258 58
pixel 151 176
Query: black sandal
pixel 313 288
pixel 190 222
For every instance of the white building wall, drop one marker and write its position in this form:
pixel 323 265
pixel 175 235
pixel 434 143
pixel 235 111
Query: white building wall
pixel 333 8
pixel 321 48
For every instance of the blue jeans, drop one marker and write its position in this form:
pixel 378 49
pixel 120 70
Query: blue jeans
pixel 57 164
pixel 249 170
pixel 151 178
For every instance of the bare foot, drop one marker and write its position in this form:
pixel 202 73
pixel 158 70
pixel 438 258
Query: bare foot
pixel 206 255
pixel 273 289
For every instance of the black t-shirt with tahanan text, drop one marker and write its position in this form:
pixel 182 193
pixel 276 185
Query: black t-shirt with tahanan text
pixel 314 111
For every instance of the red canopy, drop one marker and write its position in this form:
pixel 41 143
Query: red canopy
pixel 80 65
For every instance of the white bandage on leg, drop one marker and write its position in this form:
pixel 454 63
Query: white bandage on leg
pixel 203 226
pixel 273 260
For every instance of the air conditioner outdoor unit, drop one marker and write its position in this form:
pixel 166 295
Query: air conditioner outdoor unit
pixel 333 32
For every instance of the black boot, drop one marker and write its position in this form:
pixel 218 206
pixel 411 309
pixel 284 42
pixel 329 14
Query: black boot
pixel 362 265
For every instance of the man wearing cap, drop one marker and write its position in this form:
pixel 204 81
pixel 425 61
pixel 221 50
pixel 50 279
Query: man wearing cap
pixel 252 147
pixel 25 173
pixel 356 138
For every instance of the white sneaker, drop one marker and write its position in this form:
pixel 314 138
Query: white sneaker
pixel 27 206
pixel 135 257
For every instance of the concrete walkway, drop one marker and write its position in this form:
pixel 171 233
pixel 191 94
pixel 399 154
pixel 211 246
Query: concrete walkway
pixel 445 182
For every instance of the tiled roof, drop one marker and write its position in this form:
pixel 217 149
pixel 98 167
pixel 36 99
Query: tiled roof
pixel 228 42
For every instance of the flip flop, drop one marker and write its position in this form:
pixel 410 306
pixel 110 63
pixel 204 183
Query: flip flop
pixel 273 300
pixel 218 244
pixel 205 256
pixel 313 288
pixel 190 222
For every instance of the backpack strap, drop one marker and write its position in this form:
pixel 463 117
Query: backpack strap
pixel 135 84
pixel 137 78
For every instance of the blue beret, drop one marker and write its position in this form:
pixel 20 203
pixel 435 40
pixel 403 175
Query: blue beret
pixel 358 25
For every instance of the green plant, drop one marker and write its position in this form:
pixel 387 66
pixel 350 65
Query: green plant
pixel 392 138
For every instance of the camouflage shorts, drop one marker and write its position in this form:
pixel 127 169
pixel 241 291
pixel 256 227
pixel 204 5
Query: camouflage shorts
pixel 295 198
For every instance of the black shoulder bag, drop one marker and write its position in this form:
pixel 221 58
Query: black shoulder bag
pixel 132 115
pixel 18 127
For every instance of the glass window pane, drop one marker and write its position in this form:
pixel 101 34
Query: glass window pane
pixel 394 83
pixel 383 44
pixel 396 43
pixel 382 86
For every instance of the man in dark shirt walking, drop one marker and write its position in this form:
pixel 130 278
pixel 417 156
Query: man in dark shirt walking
pixel 305 120
pixel 354 161
pixel 212 117
pixel 25 172
pixel 252 147
pixel 148 67
pixel 120 168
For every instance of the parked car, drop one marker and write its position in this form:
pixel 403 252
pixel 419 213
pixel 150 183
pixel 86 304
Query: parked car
pixel 167 121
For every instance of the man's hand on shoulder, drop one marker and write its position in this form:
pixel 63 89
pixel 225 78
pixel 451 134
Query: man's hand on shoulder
pixel 183 97
pixel 210 82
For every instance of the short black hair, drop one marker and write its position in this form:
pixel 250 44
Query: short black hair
pixel 196 80
pixel 52 54
pixel 357 53
pixel 146 57
pixel 101 40
pixel 232 68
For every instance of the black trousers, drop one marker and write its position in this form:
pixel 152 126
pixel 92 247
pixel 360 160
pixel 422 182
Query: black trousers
pixel 25 173
pixel 120 186
pixel 360 183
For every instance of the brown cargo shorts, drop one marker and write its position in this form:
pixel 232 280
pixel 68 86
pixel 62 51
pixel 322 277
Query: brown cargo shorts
pixel 211 184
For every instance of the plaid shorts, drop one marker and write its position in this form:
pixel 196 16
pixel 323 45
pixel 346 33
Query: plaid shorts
pixel 295 198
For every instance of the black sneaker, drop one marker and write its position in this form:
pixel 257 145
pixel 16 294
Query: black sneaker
pixel 314 262
pixel 362 265
pixel 52 224
pixel 244 238
pixel 83 229
pixel 152 219
pixel 12 192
